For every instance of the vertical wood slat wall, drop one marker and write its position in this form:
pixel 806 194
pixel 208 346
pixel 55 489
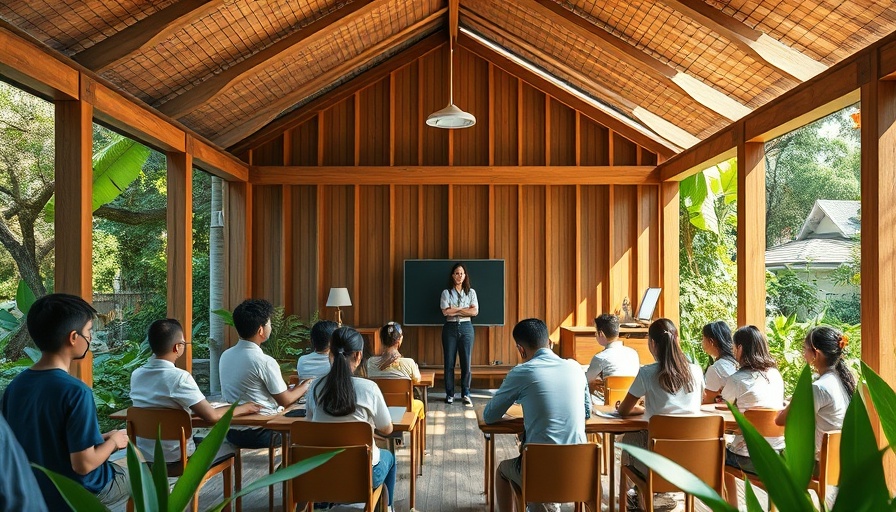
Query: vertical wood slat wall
pixel 571 251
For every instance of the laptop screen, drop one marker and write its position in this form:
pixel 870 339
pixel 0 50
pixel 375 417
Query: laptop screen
pixel 648 304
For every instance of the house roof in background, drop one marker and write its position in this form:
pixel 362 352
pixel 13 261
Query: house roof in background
pixel 814 252
pixel 227 68
pixel 844 215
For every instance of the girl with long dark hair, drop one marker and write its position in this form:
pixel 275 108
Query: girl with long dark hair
pixel 459 305
pixel 833 389
pixel 718 344
pixel 339 396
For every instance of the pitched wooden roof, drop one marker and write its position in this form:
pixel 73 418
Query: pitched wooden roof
pixel 678 70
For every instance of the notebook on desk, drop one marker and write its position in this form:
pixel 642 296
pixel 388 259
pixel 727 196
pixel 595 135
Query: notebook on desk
pixel 397 413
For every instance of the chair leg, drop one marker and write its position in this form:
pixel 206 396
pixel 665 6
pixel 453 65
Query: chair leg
pixel 271 465
pixel 228 485
pixel 622 495
pixel 731 489
pixel 238 477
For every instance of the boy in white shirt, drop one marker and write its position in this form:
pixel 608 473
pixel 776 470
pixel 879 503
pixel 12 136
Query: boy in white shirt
pixel 159 383
pixel 317 363
pixel 615 359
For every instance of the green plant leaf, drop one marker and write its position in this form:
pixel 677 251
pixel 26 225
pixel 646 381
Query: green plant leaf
pixel 884 400
pixel 8 321
pixel 142 490
pixel 160 473
pixel 199 463
pixel 772 470
pixel 680 477
pixel 77 497
pixel 863 486
pixel 799 433
pixel 24 297
pixel 753 504
pixel 225 315
pixel 115 167
pixel 281 475
pixel 32 353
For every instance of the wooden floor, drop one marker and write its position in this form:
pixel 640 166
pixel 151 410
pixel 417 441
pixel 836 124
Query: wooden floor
pixel 452 475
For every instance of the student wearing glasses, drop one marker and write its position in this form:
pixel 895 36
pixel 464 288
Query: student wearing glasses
pixel 459 305
pixel 53 415
pixel 159 383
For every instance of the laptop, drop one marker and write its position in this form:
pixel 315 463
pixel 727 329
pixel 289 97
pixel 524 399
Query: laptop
pixel 645 308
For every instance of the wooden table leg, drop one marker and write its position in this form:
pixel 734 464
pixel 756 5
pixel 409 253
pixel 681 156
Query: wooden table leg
pixel 284 461
pixel 490 469
pixel 415 440
pixel 612 470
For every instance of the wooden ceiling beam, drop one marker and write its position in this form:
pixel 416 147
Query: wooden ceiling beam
pixel 455 175
pixel 760 46
pixel 146 33
pixel 266 115
pixel 453 14
pixel 31 65
pixel 208 89
pixel 643 138
pixel 344 91
pixel 717 101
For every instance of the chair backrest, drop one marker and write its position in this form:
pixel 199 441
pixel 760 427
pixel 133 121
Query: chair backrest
pixel 346 478
pixel 397 392
pixel 829 458
pixel 293 379
pixel 312 433
pixel 561 473
pixel 615 388
pixel 697 443
pixel 764 420
pixel 147 422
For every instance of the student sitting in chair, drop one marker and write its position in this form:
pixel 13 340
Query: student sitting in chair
pixel 614 360
pixel 159 383
pixel 317 363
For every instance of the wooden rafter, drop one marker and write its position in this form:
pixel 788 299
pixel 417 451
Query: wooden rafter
pixel 643 138
pixel 346 90
pixel 702 93
pixel 249 126
pixel 146 33
pixel 221 82
pixel 752 42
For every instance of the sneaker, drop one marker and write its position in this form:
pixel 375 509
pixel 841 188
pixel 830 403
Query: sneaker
pixel 632 502
pixel 449 399
pixel 468 402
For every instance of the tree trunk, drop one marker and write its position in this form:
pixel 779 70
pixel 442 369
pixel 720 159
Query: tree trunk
pixel 215 285
pixel 15 348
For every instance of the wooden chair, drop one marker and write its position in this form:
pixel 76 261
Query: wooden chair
pixel 399 392
pixel 175 426
pixel 828 465
pixel 557 473
pixel 615 388
pixel 696 443
pixel 764 420
pixel 347 477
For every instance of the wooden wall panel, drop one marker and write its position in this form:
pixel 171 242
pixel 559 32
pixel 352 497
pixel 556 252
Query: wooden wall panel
pixel 269 154
pixel 407 116
pixel 336 207
pixel 305 248
pixel 533 128
pixel 470 209
pixel 506 222
pixel 373 256
pixel 471 72
pixel 595 235
pixel 406 220
pixel 337 132
pixel 267 260
pixel 562 134
pixel 374 124
pixel 647 243
pixel 433 244
pixel 623 264
pixel 625 152
pixel 595 142
pixel 561 272
pixel 533 274
pixel 434 96
pixel 303 141
pixel 506 107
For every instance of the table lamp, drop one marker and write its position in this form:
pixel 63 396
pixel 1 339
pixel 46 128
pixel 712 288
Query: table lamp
pixel 338 298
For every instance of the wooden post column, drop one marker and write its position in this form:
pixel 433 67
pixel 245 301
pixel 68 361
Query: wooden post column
pixel 878 243
pixel 74 212
pixel 669 198
pixel 237 243
pixel 751 234
pixel 180 247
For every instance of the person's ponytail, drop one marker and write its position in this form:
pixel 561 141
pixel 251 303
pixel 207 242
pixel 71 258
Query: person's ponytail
pixel 337 393
pixel 674 370
pixel 831 343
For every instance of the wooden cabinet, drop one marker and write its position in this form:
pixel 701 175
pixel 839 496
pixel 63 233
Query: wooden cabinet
pixel 372 344
pixel 580 343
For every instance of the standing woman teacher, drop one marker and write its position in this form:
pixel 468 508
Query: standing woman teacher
pixel 459 305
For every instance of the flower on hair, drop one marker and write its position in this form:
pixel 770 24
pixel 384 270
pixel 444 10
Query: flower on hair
pixel 844 341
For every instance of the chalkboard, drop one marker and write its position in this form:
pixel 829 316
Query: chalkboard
pixel 424 281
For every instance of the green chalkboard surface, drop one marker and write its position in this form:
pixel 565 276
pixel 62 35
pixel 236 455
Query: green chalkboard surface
pixel 424 281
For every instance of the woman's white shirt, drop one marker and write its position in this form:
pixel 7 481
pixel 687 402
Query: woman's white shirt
pixel 750 389
pixel 458 299
pixel 831 402
pixel 659 401
pixel 718 372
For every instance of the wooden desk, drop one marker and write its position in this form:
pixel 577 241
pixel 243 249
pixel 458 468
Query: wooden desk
pixel 580 343
pixel 249 420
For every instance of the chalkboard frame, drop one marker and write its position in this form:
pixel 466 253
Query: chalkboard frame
pixel 492 312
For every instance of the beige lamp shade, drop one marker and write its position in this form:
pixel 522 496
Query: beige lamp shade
pixel 338 298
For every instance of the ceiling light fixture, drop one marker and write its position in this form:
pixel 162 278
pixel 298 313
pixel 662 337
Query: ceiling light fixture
pixel 451 116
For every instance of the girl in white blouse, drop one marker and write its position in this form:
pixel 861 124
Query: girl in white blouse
pixel 718 344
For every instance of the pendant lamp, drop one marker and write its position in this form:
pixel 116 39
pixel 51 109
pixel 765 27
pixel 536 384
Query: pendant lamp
pixel 451 116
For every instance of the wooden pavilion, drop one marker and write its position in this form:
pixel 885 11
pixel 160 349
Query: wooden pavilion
pixel 589 113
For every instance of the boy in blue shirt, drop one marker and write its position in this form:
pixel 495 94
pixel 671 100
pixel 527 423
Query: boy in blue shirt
pixel 53 415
